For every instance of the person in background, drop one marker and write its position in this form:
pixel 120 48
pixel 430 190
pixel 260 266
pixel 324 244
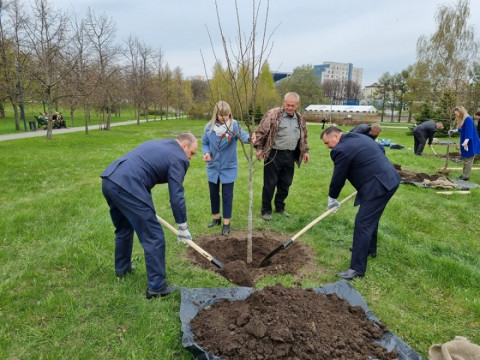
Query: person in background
pixel 61 121
pixel 476 116
pixel 360 161
pixel 469 142
pixel 281 141
pixel 56 120
pixel 127 185
pixel 424 132
pixel 219 144
pixel 371 131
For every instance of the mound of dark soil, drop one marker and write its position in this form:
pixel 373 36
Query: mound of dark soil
pixel 288 323
pixel 411 176
pixel 231 250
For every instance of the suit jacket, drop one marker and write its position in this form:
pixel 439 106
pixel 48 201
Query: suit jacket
pixel 359 160
pixel 151 163
pixel 363 129
pixel 425 130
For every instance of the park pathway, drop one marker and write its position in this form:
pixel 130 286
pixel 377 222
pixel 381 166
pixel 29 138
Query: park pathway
pixel 41 132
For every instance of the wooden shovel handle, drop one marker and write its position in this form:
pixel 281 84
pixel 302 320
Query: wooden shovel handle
pixel 325 214
pixel 191 243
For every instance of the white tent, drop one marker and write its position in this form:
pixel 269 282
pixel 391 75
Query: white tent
pixel 343 108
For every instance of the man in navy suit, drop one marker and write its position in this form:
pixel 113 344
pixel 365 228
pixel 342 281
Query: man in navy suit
pixel 371 131
pixel 359 160
pixel 127 185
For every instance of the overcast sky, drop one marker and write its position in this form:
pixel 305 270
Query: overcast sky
pixel 375 35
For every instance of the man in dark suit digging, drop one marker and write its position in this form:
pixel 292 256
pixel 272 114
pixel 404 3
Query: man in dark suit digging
pixel 127 185
pixel 359 160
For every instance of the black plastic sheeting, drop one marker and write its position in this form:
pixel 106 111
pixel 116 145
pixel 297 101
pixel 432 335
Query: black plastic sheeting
pixel 193 300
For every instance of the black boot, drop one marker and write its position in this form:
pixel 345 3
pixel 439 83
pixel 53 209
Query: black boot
pixel 226 229
pixel 215 222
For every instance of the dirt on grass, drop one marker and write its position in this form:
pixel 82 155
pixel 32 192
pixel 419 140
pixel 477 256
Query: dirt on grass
pixel 278 322
pixel 231 250
pixel 288 323
pixel 412 176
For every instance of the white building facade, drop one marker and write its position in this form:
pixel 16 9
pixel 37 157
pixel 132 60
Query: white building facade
pixel 330 70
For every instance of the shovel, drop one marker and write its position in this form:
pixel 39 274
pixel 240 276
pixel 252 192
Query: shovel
pixel 190 243
pixel 301 232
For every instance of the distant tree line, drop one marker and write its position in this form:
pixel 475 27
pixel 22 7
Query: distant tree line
pixel 445 75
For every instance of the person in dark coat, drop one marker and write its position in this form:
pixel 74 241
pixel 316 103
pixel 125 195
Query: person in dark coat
pixel 360 161
pixel 371 131
pixel 476 117
pixel 424 132
pixel 127 185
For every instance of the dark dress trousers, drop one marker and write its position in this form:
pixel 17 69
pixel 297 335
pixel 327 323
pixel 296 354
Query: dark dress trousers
pixel 127 184
pixel 360 161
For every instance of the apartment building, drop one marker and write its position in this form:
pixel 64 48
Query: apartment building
pixel 330 70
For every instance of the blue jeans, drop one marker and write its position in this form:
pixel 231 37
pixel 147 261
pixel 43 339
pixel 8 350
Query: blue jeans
pixel 129 214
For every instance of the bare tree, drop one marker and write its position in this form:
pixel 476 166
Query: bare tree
pixel 157 87
pixel 245 57
pixel 101 32
pixel 13 60
pixel 48 36
pixel 138 73
pixel 182 93
pixel 81 82
pixel 333 89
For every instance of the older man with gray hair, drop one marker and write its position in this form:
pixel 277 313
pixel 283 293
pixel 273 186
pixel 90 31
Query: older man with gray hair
pixel 281 141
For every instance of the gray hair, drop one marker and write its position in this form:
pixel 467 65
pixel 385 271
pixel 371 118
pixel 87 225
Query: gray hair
pixel 187 137
pixel 292 94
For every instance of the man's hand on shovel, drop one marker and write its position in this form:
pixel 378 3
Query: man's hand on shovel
pixel 183 233
pixel 333 203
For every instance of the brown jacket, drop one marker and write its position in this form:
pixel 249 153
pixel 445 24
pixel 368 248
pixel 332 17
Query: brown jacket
pixel 267 132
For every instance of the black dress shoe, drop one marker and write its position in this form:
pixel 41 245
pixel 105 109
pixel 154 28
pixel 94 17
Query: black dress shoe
pixel 126 272
pixel 226 229
pixel 164 291
pixel 215 222
pixel 350 274
pixel 284 213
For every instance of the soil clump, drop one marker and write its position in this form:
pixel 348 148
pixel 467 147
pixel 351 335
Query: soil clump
pixel 288 323
pixel 231 250
pixel 411 176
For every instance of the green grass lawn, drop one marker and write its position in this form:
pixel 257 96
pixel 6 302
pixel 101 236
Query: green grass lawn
pixel 7 125
pixel 60 297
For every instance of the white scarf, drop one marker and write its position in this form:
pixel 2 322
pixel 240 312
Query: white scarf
pixel 221 129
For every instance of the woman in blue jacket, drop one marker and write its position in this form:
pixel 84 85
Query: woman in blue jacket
pixel 219 144
pixel 469 142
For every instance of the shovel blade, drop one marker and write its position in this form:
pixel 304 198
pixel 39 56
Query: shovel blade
pixel 217 263
pixel 267 258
